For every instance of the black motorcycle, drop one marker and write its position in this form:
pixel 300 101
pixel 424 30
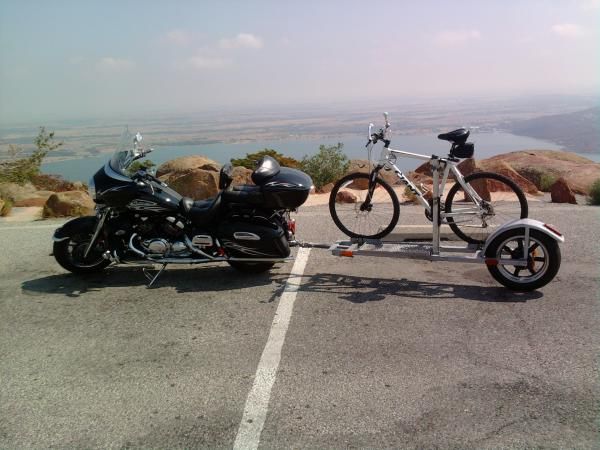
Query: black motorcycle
pixel 139 218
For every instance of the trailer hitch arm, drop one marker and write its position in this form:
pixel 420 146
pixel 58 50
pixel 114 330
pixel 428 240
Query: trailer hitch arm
pixel 309 244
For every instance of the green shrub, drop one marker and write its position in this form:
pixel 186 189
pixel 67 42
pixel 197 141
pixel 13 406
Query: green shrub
pixel 543 179
pixel 327 166
pixel 595 193
pixel 23 169
pixel 546 182
pixel 249 162
pixel 138 165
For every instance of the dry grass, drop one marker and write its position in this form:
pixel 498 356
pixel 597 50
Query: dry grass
pixel 6 208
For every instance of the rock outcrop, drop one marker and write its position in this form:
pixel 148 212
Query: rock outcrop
pixel 561 192
pixel 505 169
pixel 345 196
pixel 187 164
pixel 529 167
pixel 362 166
pixel 38 198
pixel 24 194
pixel 69 203
pixel 15 191
pixel 579 172
pixel 198 184
pixel 241 175
pixel 424 171
pixel 327 188
pixel 196 177
pixel 467 167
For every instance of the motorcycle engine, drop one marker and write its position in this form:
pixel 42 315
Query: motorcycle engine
pixel 159 246
pixel 171 231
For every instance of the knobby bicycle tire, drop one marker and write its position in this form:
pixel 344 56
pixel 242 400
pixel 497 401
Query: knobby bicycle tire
pixel 474 228
pixel 357 219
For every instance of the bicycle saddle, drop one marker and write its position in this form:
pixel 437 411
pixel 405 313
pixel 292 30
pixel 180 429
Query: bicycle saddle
pixel 457 136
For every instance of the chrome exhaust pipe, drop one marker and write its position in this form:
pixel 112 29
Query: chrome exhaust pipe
pixel 206 258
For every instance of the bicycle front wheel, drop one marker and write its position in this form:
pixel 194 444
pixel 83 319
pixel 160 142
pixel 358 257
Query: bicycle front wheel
pixel 500 200
pixel 364 210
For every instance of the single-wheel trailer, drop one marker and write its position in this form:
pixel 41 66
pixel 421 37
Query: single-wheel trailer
pixel 522 254
pixel 504 253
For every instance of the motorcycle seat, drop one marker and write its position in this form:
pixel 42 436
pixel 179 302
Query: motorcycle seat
pixel 243 194
pixel 201 212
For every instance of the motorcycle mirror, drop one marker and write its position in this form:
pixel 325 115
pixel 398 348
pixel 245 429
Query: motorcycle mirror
pixel 151 171
pixel 138 138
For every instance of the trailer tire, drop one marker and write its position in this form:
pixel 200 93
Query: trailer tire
pixel 510 245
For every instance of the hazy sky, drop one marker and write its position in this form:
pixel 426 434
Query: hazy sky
pixel 70 59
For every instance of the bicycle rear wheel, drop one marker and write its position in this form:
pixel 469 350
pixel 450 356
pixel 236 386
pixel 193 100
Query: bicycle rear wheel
pixel 364 210
pixel 502 201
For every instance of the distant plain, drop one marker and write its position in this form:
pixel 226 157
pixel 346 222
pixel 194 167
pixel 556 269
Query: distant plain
pixel 498 125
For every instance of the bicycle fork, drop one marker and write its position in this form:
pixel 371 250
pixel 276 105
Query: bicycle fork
pixel 367 205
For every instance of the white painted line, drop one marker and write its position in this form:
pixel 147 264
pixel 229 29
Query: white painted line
pixel 257 403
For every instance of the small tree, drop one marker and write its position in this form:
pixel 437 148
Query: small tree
pixel 327 166
pixel 249 162
pixel 23 169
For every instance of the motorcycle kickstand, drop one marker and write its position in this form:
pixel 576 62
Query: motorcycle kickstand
pixel 152 278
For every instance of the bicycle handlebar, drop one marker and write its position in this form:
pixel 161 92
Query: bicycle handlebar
pixel 382 135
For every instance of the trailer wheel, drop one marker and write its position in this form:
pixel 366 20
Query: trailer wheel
pixel 543 259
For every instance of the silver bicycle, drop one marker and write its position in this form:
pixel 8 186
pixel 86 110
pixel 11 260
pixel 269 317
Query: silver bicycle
pixel 364 205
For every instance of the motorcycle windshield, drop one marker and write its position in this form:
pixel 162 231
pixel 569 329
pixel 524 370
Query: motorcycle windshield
pixel 124 155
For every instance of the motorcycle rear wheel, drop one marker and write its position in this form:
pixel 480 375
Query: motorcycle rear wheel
pixel 251 267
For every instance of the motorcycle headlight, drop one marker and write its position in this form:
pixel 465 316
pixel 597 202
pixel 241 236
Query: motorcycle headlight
pixel 92 189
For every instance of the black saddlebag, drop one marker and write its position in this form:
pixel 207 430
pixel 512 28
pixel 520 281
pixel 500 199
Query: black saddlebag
pixel 253 239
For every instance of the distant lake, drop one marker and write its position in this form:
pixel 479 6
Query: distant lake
pixel 486 145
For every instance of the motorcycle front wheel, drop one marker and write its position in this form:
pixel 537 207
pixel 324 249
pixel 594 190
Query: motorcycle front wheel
pixel 69 254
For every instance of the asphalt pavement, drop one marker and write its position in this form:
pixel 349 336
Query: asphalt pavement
pixel 373 352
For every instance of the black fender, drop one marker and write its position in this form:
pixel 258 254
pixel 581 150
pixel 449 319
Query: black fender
pixel 74 226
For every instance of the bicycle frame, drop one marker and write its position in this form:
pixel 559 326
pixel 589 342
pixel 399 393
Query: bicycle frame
pixel 447 165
